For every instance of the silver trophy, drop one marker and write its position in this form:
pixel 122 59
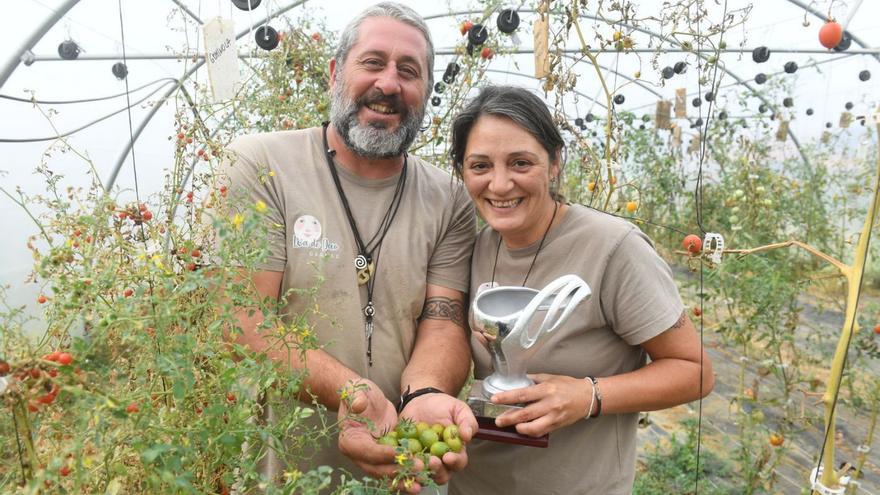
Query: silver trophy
pixel 505 323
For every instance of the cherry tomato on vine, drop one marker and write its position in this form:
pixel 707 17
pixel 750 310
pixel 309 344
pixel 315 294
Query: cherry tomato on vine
pixel 776 439
pixel 692 244
pixel 830 34
pixel 65 358
pixel 4 368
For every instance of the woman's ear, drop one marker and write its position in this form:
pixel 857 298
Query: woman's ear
pixel 556 165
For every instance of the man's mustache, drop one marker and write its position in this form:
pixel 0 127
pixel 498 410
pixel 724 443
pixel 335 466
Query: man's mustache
pixel 376 97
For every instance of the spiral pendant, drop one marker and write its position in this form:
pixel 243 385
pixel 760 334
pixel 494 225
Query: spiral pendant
pixel 364 267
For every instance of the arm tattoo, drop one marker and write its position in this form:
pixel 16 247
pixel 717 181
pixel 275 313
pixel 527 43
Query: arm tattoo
pixel 443 308
pixel 680 321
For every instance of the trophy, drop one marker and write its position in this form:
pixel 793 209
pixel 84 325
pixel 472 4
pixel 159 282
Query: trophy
pixel 503 322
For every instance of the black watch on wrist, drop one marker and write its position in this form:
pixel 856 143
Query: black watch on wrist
pixel 407 396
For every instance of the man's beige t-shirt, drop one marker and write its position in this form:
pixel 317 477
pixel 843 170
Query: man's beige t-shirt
pixel 634 299
pixel 429 242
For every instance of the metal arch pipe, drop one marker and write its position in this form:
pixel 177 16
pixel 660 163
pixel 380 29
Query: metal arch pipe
pixel 822 16
pixel 121 160
pixel 31 41
pixel 654 35
pixel 520 74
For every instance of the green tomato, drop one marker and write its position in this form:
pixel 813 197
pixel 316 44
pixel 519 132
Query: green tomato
pixel 387 440
pixel 422 426
pixel 407 429
pixel 438 428
pixel 439 448
pixel 412 444
pixel 450 431
pixel 428 437
pixel 454 444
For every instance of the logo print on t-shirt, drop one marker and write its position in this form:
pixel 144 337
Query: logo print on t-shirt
pixel 307 234
pixel 306 229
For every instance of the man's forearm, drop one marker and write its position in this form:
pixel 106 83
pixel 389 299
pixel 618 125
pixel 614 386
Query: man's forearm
pixel 322 386
pixel 440 359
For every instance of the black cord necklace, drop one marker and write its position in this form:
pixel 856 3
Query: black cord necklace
pixel 535 257
pixel 366 262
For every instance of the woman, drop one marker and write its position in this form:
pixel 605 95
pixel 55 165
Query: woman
pixel 591 376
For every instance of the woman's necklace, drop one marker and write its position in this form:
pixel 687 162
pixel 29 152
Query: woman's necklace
pixel 364 262
pixel 535 257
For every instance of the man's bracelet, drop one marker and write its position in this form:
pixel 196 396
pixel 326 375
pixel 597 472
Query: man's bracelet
pixel 598 396
pixel 407 396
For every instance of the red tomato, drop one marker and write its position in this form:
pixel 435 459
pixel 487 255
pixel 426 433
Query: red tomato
pixel 692 244
pixel 132 408
pixel 65 358
pixel 465 27
pixel 486 53
pixel 4 368
pixel 147 216
pixel 128 293
pixel 697 311
pixel 830 34
pixel 42 299
pixel 877 329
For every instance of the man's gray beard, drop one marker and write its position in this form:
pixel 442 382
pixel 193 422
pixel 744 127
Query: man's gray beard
pixel 371 141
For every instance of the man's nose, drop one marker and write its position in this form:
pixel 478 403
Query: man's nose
pixel 388 81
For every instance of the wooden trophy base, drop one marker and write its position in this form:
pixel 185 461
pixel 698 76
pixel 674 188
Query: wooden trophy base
pixel 486 412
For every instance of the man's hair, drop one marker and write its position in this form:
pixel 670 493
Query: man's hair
pixel 395 11
pixel 517 104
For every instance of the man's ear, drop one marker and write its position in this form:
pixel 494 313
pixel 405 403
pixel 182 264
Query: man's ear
pixel 332 71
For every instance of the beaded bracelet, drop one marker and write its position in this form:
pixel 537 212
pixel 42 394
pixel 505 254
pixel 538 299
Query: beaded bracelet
pixel 598 393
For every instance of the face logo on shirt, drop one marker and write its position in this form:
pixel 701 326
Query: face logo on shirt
pixel 306 229
pixel 308 234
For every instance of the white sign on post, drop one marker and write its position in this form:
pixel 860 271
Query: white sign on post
pixel 221 57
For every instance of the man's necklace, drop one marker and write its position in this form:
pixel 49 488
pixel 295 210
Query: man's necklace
pixel 535 257
pixel 366 261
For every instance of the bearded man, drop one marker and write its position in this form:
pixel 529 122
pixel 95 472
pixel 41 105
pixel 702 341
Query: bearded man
pixel 389 235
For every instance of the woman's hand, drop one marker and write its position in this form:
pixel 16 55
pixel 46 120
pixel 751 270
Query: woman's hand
pixel 553 402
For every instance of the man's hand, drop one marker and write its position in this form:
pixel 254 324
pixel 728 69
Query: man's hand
pixel 446 410
pixel 357 438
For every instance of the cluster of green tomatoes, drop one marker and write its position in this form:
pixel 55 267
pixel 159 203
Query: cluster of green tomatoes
pixel 422 438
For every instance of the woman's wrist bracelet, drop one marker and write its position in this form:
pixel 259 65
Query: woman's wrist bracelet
pixel 592 398
pixel 598 395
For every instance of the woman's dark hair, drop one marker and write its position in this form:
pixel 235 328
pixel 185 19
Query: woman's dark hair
pixel 517 104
